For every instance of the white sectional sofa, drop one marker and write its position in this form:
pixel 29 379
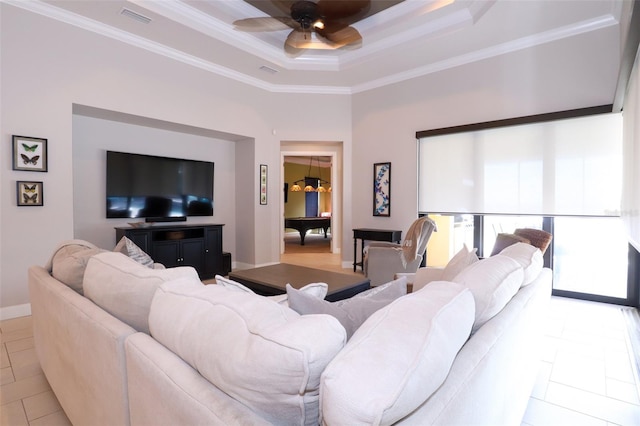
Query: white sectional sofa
pixel 146 346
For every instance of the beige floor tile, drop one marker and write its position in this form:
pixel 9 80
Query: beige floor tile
pixel 12 414
pixel 4 357
pixel 591 404
pixel 619 367
pixel 23 389
pixel 16 324
pixel 55 419
pixel 6 376
pixel 25 364
pixel 627 392
pixel 581 372
pixel 41 405
pixel 19 345
pixel 23 333
pixel 545 414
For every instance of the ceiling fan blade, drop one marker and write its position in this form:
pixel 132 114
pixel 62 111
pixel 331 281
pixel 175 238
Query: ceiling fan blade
pixel 348 10
pixel 341 37
pixel 265 24
pixel 292 51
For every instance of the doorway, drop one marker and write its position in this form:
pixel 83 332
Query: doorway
pixel 321 165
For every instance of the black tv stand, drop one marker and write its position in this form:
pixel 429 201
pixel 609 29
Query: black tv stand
pixel 199 246
pixel 166 219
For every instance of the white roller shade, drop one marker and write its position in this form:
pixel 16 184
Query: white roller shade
pixel 564 167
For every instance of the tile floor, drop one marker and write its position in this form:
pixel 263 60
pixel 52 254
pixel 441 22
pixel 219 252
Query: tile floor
pixel 586 375
pixel 25 395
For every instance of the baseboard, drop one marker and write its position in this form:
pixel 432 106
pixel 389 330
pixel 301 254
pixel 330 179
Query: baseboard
pixel 9 312
pixel 347 265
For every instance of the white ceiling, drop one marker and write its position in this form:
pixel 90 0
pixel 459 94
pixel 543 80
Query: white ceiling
pixel 409 39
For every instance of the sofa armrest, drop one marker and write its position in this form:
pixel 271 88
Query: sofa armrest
pixel 81 351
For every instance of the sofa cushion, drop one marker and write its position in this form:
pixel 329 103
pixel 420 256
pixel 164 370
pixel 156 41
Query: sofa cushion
pixel 398 357
pixel 318 290
pixel 529 257
pixel 129 248
pixel 459 262
pixel 261 353
pixel 493 282
pixel 350 312
pixel 69 263
pixel 124 287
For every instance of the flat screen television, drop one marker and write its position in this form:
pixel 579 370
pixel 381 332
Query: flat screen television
pixel 157 188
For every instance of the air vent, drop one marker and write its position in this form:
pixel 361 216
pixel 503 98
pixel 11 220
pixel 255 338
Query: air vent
pixel 135 15
pixel 269 70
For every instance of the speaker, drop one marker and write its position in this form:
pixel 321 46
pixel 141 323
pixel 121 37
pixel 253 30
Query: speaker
pixel 166 219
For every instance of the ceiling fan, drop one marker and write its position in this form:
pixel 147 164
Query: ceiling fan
pixel 325 24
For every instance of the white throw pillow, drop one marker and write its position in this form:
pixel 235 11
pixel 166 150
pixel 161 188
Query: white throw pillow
pixel 125 288
pixel 260 353
pixel 529 257
pixel 350 312
pixel 129 248
pixel 459 262
pixel 318 290
pixel 493 282
pixel 398 357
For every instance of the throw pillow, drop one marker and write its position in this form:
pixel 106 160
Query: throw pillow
pixel 260 353
pixel 350 312
pixel 537 237
pixel 232 285
pixel 529 257
pixel 69 263
pixel 398 357
pixel 493 282
pixel 504 240
pixel 129 248
pixel 318 290
pixel 459 262
pixel 125 288
pixel 49 265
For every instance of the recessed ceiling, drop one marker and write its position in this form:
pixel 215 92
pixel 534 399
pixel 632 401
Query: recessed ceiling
pixel 401 39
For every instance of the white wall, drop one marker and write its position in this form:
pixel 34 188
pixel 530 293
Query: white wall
pixel 92 137
pixel 48 66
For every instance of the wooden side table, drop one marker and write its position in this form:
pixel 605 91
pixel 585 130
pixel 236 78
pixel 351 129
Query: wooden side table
pixel 370 234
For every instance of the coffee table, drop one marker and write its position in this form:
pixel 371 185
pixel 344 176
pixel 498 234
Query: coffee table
pixel 272 280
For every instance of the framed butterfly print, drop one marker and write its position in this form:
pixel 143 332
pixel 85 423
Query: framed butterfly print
pixel 29 193
pixel 29 154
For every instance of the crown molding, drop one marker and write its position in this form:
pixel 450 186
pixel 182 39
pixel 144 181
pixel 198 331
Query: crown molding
pixel 493 51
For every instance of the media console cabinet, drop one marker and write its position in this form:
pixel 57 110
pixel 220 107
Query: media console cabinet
pixel 199 246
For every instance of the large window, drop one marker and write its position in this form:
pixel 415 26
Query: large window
pixel 563 176
pixel 565 167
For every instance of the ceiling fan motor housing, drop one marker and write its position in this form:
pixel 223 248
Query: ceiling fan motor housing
pixel 305 13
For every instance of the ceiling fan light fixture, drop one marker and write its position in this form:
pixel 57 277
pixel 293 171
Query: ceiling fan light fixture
pixel 318 25
pixel 308 40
